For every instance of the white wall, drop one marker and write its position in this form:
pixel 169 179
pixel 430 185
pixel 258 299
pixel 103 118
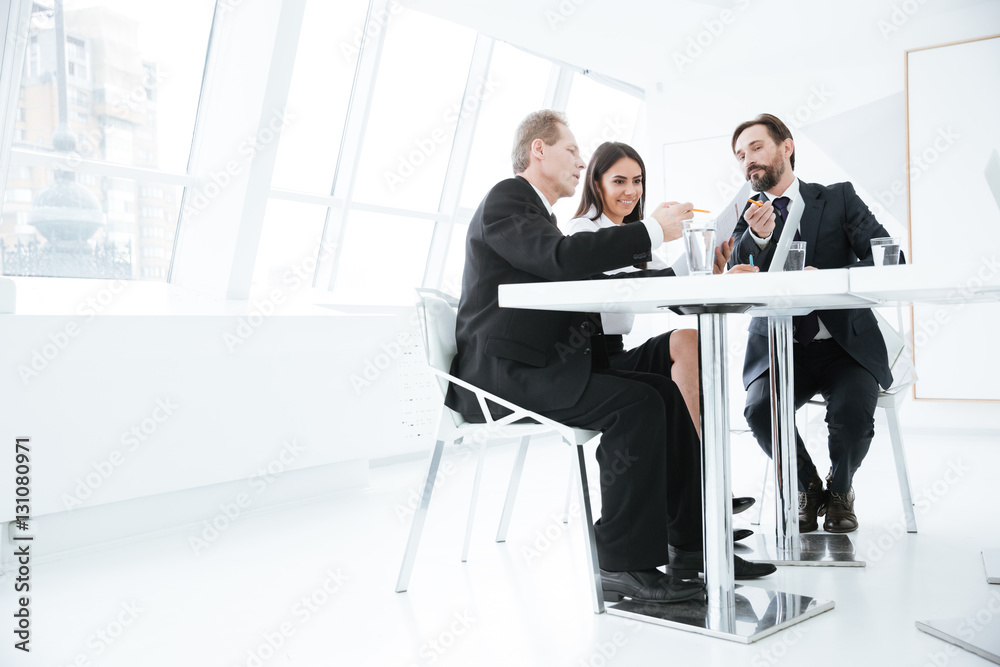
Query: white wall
pixel 120 407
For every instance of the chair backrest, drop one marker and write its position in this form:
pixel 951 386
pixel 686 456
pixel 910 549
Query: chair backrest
pixel 903 372
pixel 437 313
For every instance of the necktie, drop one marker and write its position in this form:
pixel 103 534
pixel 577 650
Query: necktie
pixel 805 326
pixel 781 203
pixel 552 217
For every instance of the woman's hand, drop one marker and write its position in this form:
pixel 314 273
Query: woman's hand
pixel 671 216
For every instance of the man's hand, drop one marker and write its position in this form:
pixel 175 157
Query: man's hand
pixel 671 215
pixel 722 255
pixel 760 219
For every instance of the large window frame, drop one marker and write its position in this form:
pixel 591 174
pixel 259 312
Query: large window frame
pixel 238 245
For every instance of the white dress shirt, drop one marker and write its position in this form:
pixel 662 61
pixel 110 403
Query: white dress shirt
pixel 614 323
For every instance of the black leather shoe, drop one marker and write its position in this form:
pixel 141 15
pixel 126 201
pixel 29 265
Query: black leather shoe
pixel 688 564
pixel 648 586
pixel 741 534
pixel 839 510
pixel 743 503
pixel 811 504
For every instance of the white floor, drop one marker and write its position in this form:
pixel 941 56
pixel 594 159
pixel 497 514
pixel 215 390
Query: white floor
pixel 313 585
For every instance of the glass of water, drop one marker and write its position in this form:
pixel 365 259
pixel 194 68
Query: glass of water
pixel 796 260
pixel 885 250
pixel 699 246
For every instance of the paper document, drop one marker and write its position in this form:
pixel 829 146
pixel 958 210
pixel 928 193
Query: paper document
pixel 730 216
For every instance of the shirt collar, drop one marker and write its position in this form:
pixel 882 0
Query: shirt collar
pixel 545 201
pixel 602 221
pixel 792 192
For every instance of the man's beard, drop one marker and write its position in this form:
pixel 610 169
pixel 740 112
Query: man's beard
pixel 762 182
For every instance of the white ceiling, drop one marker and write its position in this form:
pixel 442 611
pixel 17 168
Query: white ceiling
pixel 645 42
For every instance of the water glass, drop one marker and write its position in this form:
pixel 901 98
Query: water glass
pixel 885 250
pixel 699 246
pixel 796 260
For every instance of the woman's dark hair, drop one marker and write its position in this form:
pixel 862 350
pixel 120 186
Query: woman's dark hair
pixel 605 157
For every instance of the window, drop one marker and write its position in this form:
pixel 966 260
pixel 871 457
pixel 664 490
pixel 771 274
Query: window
pixel 137 41
pixel 76 70
pixel 20 195
pixel 289 248
pixel 318 96
pixel 79 97
pixel 76 49
pixel 504 105
pixel 422 75
pixel 383 258
pixel 154 252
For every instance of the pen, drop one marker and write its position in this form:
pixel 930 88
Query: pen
pixel 754 201
pixel 751 259
pixel 700 210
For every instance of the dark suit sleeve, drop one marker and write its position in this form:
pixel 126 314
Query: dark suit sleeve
pixel 517 228
pixel 861 227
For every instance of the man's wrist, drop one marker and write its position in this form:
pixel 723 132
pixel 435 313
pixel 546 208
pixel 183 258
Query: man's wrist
pixel 761 242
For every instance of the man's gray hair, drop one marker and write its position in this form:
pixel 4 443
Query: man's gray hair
pixel 542 125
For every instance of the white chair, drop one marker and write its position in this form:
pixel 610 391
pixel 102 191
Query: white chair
pixel 904 375
pixel 437 314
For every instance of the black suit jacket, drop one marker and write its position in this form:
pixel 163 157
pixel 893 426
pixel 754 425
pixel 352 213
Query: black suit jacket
pixel 837 227
pixel 538 359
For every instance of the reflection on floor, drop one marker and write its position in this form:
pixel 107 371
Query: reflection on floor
pixel 313 585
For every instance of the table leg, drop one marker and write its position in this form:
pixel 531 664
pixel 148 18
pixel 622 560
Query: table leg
pixel 779 333
pixel 737 613
pixel 790 548
pixel 715 465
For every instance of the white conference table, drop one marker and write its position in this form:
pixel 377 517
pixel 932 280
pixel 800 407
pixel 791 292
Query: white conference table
pixel 735 612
